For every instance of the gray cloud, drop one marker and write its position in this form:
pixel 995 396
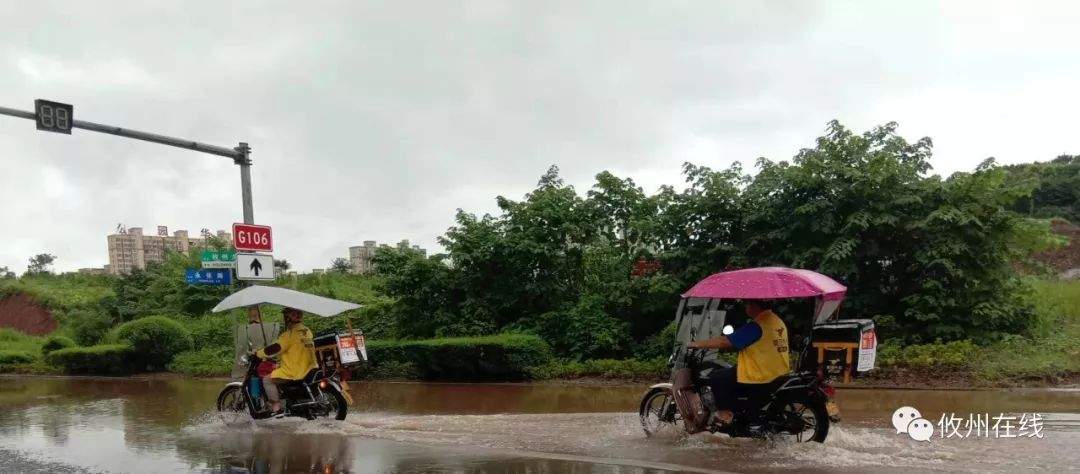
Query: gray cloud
pixel 378 120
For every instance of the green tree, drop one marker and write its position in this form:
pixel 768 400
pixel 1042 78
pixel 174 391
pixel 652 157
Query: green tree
pixel 6 273
pixel 40 264
pixel 928 258
pixel 340 265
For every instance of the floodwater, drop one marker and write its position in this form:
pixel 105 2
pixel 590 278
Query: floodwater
pixel 167 425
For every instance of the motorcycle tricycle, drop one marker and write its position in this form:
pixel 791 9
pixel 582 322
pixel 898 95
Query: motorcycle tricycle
pixel 798 404
pixel 323 392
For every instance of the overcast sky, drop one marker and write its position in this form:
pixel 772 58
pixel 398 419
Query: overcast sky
pixel 375 121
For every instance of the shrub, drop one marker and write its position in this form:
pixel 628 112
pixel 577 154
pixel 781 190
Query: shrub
pixel 106 359
pixel 53 343
pixel 208 361
pixel 391 369
pixel 155 340
pixel 499 357
pixel 213 331
pixel 647 369
pixel 88 327
pixel 10 357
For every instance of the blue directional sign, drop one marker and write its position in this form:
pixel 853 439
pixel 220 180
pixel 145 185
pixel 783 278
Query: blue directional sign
pixel 209 276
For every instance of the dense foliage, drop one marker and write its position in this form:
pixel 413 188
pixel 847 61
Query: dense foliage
pixel 927 257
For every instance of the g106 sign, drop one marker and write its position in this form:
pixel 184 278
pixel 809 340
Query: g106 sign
pixel 253 238
pixel 53 116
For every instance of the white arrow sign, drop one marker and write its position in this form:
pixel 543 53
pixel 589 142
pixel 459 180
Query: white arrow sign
pixel 254 266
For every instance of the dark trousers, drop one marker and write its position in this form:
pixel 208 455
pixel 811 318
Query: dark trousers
pixel 745 399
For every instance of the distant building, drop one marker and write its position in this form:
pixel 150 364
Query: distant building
pixel 361 256
pixel 317 271
pixel 94 271
pixel 129 249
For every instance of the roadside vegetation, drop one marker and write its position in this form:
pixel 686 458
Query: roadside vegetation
pixel 562 284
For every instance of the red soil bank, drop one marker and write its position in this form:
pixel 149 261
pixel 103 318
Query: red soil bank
pixel 1067 257
pixel 20 312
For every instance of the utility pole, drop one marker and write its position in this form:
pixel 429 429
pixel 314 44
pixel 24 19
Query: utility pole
pixel 56 117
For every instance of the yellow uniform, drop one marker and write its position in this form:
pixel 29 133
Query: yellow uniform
pixel 297 354
pixel 767 358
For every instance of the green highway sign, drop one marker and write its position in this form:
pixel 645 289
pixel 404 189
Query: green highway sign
pixel 219 259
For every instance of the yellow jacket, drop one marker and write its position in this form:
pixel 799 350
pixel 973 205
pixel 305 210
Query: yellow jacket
pixel 766 359
pixel 296 353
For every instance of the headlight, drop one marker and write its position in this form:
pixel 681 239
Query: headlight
pixel 244 359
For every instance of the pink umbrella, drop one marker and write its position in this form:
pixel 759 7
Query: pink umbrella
pixel 768 283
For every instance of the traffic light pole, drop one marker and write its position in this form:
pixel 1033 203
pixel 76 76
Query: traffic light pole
pixel 241 154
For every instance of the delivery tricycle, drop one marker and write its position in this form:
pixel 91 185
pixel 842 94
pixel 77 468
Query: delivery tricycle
pixel 798 404
pixel 324 391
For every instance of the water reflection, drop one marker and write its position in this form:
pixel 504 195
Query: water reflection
pixel 166 425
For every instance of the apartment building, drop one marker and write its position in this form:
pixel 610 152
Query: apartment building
pixel 130 249
pixel 360 256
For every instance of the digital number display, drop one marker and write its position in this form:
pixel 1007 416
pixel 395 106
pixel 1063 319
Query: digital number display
pixel 53 116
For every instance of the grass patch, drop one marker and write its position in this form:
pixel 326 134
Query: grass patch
pixel 1053 348
pixel 62 292
pixel 12 340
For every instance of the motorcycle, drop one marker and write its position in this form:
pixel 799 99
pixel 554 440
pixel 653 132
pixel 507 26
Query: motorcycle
pixel 322 393
pixel 799 404
pixel 795 404
pixel 317 395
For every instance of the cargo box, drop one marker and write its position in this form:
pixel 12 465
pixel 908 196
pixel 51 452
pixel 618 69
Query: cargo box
pixel 845 348
pixel 336 350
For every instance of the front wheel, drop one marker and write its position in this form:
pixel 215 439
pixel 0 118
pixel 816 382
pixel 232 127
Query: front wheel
pixel 232 403
pixel 658 412
pixel 806 420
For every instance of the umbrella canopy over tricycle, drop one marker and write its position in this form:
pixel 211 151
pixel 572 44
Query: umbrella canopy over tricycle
pixel 256 295
pixel 772 283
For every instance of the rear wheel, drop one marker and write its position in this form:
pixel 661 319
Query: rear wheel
pixel 658 413
pixel 335 404
pixel 806 420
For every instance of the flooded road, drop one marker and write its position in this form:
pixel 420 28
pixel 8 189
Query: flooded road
pixel 126 425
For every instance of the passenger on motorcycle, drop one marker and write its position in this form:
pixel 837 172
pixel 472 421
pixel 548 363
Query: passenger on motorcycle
pixel 295 349
pixel 762 344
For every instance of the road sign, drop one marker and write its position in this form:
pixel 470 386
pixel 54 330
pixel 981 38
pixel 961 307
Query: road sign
pixel 255 238
pixel 219 259
pixel 254 266
pixel 208 277
pixel 53 116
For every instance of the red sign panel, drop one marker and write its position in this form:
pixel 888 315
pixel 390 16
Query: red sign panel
pixel 255 238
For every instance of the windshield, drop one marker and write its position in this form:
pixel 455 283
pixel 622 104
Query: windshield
pixel 703 317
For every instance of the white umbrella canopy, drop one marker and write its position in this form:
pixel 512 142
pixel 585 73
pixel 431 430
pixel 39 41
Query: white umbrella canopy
pixel 306 302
